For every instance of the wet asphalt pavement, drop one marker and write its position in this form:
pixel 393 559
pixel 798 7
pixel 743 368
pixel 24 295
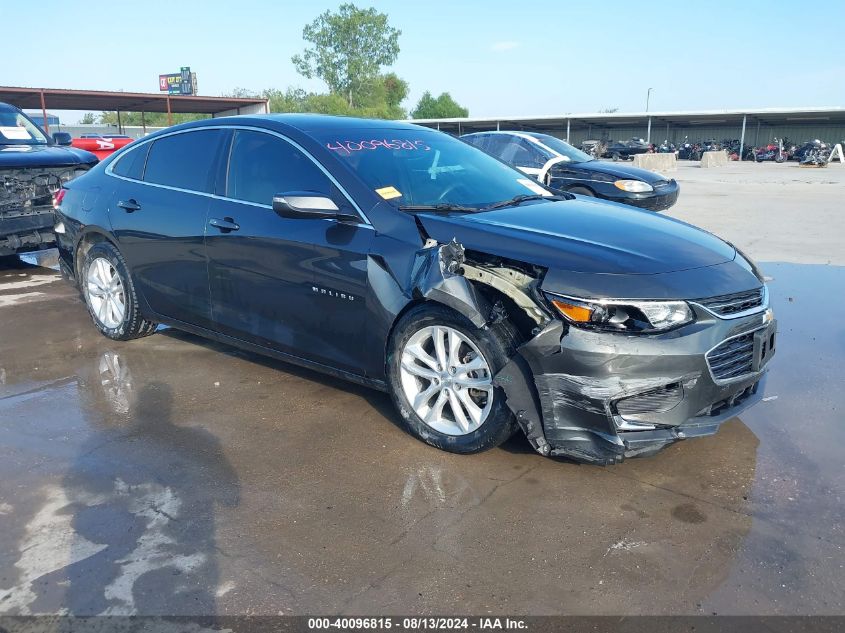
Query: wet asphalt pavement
pixel 171 475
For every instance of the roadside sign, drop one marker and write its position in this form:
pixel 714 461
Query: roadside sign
pixel 181 83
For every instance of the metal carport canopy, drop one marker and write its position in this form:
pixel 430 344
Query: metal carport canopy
pixel 61 99
pixel 769 116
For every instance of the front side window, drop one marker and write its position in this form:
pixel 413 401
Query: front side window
pixel 425 167
pixel 184 160
pixel 521 153
pixel 262 165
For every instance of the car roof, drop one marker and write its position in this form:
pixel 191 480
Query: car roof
pixel 311 123
pixel 520 133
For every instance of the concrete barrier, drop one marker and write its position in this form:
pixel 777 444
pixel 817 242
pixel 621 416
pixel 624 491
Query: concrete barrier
pixel 714 159
pixel 656 162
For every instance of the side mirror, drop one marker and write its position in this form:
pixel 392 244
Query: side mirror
pixel 62 138
pixel 308 204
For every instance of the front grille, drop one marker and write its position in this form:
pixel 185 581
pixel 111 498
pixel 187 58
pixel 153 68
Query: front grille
pixel 732 358
pixel 727 305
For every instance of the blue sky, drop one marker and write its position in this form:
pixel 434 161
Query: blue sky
pixel 497 58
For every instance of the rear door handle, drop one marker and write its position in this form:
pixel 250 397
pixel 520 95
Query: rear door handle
pixel 225 225
pixel 129 205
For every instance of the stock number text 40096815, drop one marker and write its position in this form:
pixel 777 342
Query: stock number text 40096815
pixel 345 148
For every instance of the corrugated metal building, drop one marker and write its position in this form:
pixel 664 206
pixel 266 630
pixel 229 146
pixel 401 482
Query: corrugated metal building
pixel 754 127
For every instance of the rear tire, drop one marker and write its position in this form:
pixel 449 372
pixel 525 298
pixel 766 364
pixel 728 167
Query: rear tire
pixel 496 345
pixel 110 296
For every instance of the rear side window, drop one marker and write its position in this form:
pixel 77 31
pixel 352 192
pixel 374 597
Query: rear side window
pixel 262 165
pixel 131 164
pixel 184 160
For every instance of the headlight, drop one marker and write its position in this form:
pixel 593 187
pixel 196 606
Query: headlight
pixel 624 316
pixel 633 186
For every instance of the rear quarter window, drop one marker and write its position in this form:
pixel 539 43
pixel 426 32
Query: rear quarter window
pixel 184 160
pixel 131 164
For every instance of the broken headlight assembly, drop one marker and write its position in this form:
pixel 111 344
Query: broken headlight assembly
pixel 623 315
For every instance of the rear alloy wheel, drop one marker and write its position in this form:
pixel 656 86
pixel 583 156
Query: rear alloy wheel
pixel 105 293
pixel 110 295
pixel 441 369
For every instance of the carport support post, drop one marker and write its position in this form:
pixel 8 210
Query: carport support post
pixel 169 114
pixel 742 136
pixel 119 126
pixel 44 113
pixel 648 133
pixel 143 123
pixel 567 130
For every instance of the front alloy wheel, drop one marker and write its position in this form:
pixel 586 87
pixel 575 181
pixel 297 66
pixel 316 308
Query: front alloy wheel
pixel 446 380
pixel 440 370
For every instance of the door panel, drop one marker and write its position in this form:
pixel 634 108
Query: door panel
pixel 260 275
pixel 165 250
pixel 296 285
pixel 160 229
pixel 339 294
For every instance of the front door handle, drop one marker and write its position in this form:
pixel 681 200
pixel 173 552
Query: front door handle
pixel 129 205
pixel 225 225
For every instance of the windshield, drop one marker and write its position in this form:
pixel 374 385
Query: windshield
pixel 427 168
pixel 563 148
pixel 17 129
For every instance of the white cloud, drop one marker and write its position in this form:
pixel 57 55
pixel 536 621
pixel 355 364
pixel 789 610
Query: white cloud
pixel 507 45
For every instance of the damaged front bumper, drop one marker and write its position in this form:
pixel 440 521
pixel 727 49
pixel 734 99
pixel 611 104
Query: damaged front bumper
pixel 599 397
pixel 26 206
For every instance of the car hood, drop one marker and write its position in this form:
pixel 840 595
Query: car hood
pixel 615 170
pixel 583 235
pixel 24 156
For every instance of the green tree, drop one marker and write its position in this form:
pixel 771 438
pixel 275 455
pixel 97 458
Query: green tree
pixel 382 97
pixel 151 119
pixel 87 119
pixel 348 50
pixel 442 107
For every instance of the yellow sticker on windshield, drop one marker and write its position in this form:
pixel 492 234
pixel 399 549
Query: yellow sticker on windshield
pixel 388 193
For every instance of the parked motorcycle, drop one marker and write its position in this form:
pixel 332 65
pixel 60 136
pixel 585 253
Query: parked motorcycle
pixel 666 147
pixel 689 151
pixel 817 154
pixel 817 146
pixel 772 151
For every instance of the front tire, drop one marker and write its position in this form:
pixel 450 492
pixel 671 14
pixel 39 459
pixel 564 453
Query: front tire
pixel 110 294
pixel 440 371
